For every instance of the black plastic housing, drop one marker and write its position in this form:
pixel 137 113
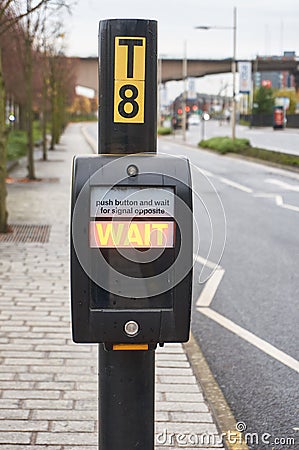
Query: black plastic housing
pixel 99 314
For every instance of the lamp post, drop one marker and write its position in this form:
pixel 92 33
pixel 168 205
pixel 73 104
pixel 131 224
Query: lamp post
pixel 159 90
pixel 185 94
pixel 234 66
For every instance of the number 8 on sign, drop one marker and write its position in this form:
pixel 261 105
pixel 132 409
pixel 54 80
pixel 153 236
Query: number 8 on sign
pixel 129 79
pixel 128 107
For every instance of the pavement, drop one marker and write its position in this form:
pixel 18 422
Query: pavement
pixel 49 384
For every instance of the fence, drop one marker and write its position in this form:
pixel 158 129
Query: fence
pixel 266 120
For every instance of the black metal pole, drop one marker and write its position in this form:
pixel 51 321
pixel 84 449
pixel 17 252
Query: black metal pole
pixel 126 399
pixel 127 124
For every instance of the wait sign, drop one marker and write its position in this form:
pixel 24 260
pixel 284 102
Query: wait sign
pixel 136 234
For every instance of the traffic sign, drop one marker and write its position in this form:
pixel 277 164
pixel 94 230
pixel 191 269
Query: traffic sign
pixel 129 79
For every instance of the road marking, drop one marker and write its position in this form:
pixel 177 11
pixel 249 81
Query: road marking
pixel 278 198
pixel 209 291
pixel 235 185
pixel 206 172
pixel 251 338
pixel 283 184
pixel 205 262
pixel 290 207
pixel 279 201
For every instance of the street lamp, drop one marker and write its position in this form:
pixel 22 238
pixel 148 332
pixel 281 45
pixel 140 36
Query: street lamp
pixel 185 95
pixel 161 88
pixel 234 67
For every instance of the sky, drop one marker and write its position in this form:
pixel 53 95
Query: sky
pixel 264 27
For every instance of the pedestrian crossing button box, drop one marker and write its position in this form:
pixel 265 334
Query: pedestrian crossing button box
pixel 131 249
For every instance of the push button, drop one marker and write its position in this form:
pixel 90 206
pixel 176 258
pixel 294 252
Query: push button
pixel 131 328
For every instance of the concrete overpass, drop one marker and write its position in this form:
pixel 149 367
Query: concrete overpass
pixel 86 69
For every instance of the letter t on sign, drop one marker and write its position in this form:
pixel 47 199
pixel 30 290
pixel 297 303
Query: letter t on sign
pixel 130 43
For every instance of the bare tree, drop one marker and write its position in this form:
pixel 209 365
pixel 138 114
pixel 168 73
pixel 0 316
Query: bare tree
pixel 34 26
pixel 57 78
pixel 3 212
pixel 14 12
pixel 62 91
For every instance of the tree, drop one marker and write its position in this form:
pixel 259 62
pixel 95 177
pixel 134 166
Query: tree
pixel 44 103
pixel 7 18
pixel 28 66
pixel 3 212
pixel 62 90
pixel 35 26
pixel 81 105
pixel 291 95
pixel 49 48
pixel 13 12
pixel 56 76
pixel 263 100
pixel 12 45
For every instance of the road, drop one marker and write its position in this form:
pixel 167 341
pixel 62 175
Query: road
pixel 286 141
pixel 258 291
pixel 245 313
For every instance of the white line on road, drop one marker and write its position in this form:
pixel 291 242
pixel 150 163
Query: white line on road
pixel 205 262
pixel 251 338
pixel 248 190
pixel 279 201
pixel 211 286
pixel 206 172
pixel 236 185
pixel 278 198
pixel 291 207
pixel 283 184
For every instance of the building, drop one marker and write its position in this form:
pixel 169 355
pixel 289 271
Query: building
pixel 276 80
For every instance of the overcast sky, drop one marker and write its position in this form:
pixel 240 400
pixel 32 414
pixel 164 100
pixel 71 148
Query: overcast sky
pixel 264 27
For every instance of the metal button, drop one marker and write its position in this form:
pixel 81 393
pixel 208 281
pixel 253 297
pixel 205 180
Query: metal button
pixel 131 328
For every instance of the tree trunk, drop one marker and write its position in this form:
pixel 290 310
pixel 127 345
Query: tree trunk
pixel 28 88
pixel 52 144
pixel 53 102
pixel 3 212
pixel 44 119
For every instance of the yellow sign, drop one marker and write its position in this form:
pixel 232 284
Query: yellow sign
pixel 129 79
pixel 131 234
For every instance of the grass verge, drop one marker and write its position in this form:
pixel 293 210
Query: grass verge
pixel 243 147
pixel 162 131
pixel 83 118
pixel 17 142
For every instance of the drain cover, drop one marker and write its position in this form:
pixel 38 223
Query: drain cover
pixel 27 233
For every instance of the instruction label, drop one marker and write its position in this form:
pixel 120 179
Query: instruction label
pixel 131 202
